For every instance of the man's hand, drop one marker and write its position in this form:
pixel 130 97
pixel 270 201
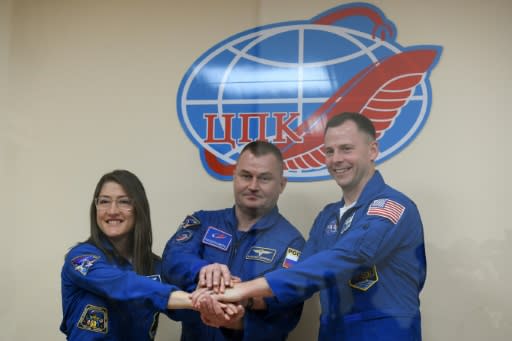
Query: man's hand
pixel 231 316
pixel 215 277
pixel 213 310
pixel 255 288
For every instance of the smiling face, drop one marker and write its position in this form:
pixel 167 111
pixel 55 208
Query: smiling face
pixel 349 157
pixel 257 183
pixel 117 223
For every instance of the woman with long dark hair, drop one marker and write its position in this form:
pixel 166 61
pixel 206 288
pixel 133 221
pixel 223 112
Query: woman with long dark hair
pixel 111 288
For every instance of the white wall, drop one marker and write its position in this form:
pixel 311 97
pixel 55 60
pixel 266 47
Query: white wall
pixel 92 85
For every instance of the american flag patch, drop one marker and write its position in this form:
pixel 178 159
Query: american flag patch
pixel 386 208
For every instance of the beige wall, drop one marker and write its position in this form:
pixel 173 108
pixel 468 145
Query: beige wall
pixel 87 86
pixel 7 199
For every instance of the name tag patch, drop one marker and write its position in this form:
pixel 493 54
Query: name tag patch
pixel 83 263
pixel 217 238
pixel 365 279
pixel 292 257
pixel 94 319
pixel 261 254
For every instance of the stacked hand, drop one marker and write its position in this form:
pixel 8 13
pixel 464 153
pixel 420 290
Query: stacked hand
pixel 213 281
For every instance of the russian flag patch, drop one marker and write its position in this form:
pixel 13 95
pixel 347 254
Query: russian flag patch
pixel 292 257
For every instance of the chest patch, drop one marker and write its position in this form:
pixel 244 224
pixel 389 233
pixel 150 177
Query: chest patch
pixel 365 279
pixel 94 319
pixel 331 228
pixel 346 224
pixel 217 238
pixel 291 258
pixel 83 263
pixel 261 254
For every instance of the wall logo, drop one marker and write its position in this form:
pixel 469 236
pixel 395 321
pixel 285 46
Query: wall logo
pixel 282 82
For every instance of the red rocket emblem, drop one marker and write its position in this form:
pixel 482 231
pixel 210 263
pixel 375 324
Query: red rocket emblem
pixel 283 82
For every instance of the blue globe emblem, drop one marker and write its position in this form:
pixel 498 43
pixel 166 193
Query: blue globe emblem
pixel 266 82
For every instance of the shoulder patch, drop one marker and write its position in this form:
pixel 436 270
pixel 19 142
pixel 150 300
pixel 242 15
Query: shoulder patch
pixel 261 254
pixel 183 236
pixel 291 258
pixel 83 263
pixel 94 318
pixel 189 221
pixel 386 208
pixel 365 279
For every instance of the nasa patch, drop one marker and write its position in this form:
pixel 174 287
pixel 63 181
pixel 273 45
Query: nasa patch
pixel 332 227
pixel 261 254
pixel 83 263
pixel 94 318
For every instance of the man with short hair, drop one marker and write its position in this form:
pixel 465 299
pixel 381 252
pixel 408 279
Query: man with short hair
pixel 248 240
pixel 365 253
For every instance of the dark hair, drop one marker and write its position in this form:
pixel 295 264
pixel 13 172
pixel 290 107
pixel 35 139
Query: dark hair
pixel 363 123
pixel 260 148
pixel 143 257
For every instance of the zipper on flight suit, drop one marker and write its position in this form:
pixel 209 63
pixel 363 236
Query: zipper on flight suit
pixel 234 248
pixel 339 228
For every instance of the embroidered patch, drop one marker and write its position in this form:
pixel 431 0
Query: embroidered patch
pixel 386 208
pixel 346 224
pixel 155 278
pixel 261 254
pixel 217 238
pixel 332 227
pixel 365 279
pixel 83 263
pixel 292 257
pixel 190 221
pixel 94 319
pixel 183 236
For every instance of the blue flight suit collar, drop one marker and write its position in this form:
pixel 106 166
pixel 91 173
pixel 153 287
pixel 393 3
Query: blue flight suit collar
pixel 265 222
pixel 373 187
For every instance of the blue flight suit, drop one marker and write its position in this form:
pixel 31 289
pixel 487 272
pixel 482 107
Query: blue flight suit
pixel 212 237
pixel 102 300
pixel 369 266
